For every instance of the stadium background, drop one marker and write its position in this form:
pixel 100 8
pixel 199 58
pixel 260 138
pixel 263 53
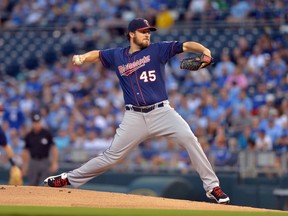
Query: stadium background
pixel 233 107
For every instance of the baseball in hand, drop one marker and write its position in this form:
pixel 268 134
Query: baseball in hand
pixel 78 59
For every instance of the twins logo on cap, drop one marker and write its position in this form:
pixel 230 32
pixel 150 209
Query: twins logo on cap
pixel 146 22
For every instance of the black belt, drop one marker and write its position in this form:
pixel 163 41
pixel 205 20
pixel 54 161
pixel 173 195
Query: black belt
pixel 145 109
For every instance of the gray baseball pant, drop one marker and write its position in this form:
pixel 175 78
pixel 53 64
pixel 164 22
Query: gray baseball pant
pixel 137 127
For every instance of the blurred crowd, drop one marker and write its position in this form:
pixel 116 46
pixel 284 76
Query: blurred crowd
pixel 163 13
pixel 238 104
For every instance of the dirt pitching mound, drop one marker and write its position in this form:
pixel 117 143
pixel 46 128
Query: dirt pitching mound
pixel 45 196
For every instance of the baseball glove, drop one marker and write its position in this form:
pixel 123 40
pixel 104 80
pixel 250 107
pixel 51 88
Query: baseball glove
pixel 197 62
pixel 15 176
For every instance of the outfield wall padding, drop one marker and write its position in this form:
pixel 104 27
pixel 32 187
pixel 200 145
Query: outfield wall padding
pixel 169 187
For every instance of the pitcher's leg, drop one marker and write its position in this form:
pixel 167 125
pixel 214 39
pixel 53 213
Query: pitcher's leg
pixel 130 133
pixel 167 122
pixel 198 159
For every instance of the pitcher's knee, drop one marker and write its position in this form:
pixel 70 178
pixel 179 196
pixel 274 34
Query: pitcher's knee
pixel 186 138
pixel 112 158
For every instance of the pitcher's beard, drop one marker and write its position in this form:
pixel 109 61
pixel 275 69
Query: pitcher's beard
pixel 142 44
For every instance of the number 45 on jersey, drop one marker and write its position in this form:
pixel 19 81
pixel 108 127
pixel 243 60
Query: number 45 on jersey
pixel 149 76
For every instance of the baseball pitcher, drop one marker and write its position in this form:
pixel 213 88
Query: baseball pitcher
pixel 140 69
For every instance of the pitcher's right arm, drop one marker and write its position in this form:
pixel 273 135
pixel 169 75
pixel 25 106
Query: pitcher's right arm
pixel 92 57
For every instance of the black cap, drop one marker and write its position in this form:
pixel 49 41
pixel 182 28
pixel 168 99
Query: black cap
pixel 36 116
pixel 140 24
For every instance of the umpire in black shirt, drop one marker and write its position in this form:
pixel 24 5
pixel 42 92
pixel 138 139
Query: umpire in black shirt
pixel 40 155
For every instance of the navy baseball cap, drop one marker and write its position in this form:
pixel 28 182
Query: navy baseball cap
pixel 140 24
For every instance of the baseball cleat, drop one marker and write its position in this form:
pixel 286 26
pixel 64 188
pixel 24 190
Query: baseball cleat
pixel 57 181
pixel 217 194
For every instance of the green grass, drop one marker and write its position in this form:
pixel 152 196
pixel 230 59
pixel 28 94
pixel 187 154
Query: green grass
pixel 73 211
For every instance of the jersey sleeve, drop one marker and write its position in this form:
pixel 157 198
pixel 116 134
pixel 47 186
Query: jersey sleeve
pixel 107 58
pixel 168 49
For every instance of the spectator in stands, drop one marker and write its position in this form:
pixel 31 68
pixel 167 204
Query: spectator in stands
pixel 259 97
pixel 244 138
pixel 13 116
pixel 242 101
pixel 147 150
pixel 33 85
pixel 278 64
pixel 244 46
pixel 92 35
pixel 256 60
pixel 263 141
pixel 17 15
pixel 58 11
pixel 5 9
pixel 255 126
pixel 234 151
pixel 196 9
pixel 27 103
pixel 225 102
pixel 266 43
pixel 90 143
pixel 36 13
pixel 251 145
pixel 272 79
pixel 225 66
pixel 263 116
pixel 283 112
pixel 273 130
pixel 62 141
pixel 78 138
pixel 17 144
pixel 219 149
pixel 239 11
pixel 183 163
pixel 184 108
pixel 116 22
pixel 201 78
pixel 198 120
pixel 164 18
pixel 240 121
pixel 270 101
pixel 237 78
pixel 83 7
pixel 215 112
pixel 281 143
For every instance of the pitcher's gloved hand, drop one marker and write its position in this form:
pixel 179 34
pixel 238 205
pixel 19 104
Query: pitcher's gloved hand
pixel 15 177
pixel 195 63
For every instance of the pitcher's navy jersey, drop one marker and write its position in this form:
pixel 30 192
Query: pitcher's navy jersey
pixel 142 73
pixel 3 140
